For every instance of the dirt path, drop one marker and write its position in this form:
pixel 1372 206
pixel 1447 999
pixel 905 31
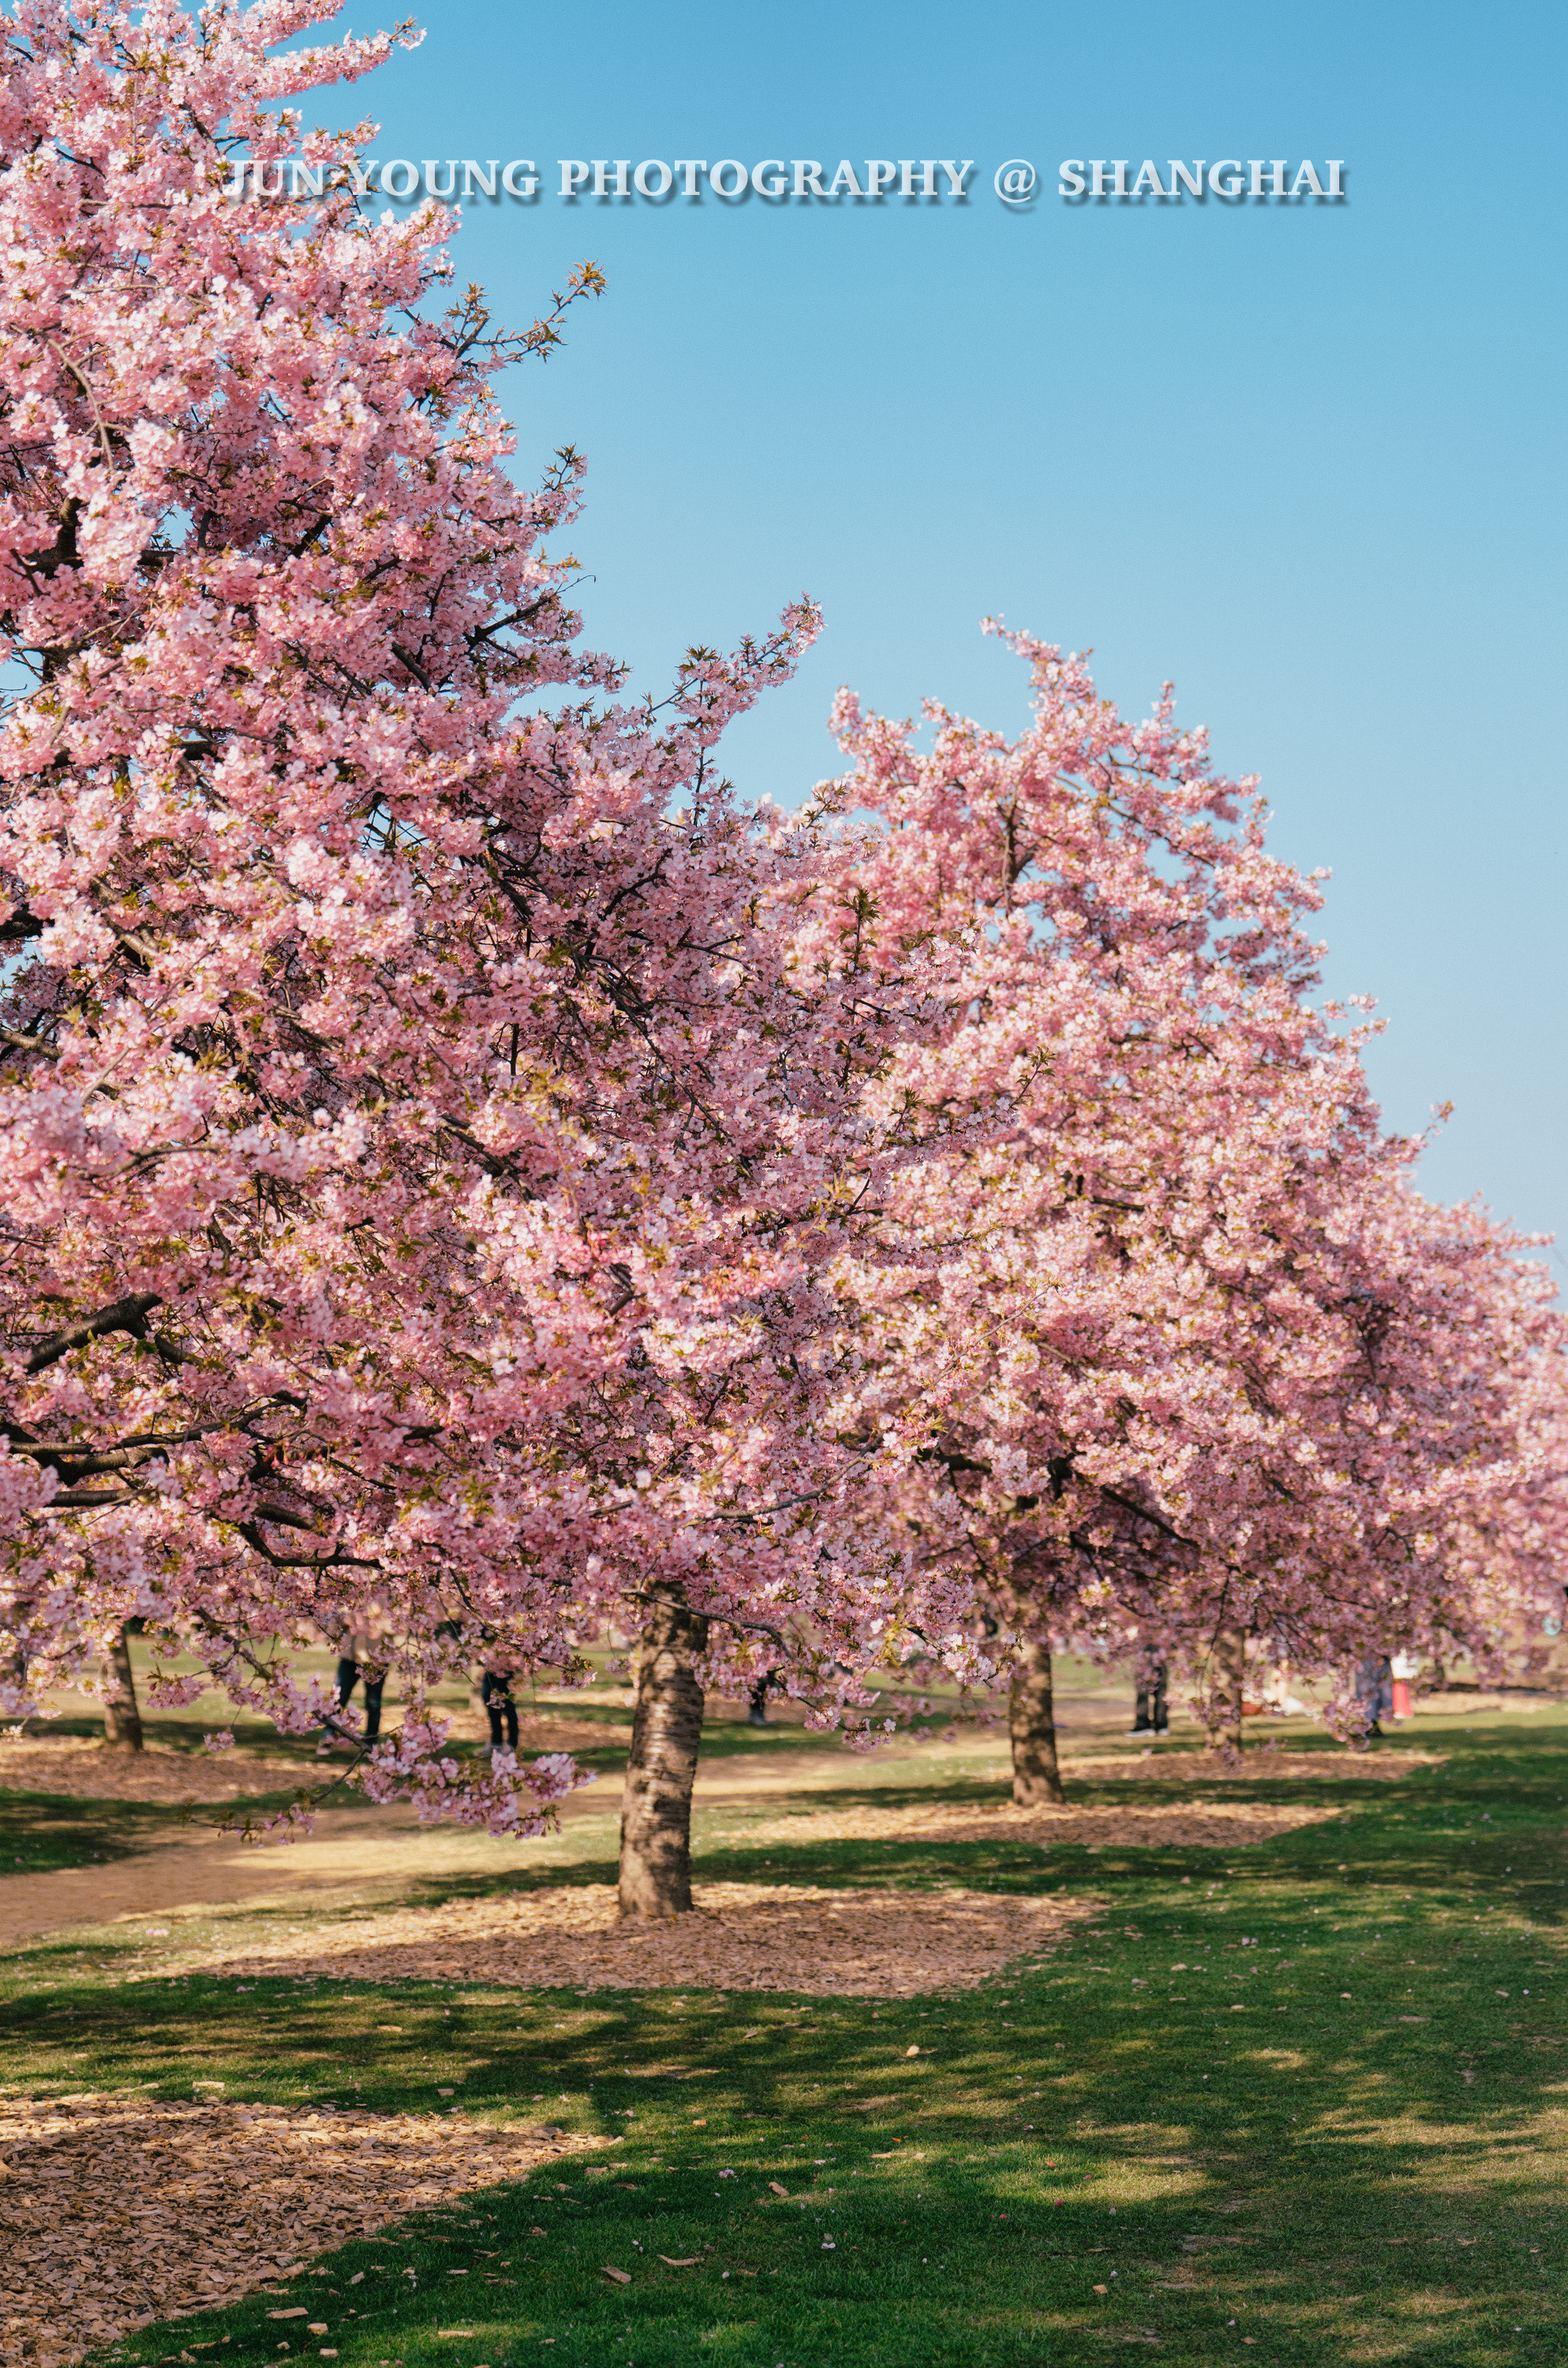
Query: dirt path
pixel 206 1871
pixel 349 1851
pixel 353 1851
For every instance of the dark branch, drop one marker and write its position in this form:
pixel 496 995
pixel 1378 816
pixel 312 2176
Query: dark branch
pixel 121 1315
pixel 414 668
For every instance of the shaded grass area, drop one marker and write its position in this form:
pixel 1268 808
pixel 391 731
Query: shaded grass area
pixel 1312 2093
pixel 42 1831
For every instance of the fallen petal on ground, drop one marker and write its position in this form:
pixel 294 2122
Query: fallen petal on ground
pixel 181 2207
pixel 743 1936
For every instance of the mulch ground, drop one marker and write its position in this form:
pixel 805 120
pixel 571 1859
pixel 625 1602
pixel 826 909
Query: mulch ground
pixel 115 2211
pixel 1263 1763
pixel 1177 1823
pixel 744 1936
pixel 1156 1825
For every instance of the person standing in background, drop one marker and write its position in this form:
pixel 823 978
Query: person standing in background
pixel 495 1692
pixel 352 1648
pixel 756 1706
pixel 1150 1716
pixel 1374 1689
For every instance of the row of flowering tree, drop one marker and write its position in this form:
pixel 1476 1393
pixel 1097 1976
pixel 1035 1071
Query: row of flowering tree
pixel 464 1178
pixel 1164 1341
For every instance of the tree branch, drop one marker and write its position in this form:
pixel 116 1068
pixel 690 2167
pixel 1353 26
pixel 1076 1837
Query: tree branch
pixel 756 1627
pixel 127 1315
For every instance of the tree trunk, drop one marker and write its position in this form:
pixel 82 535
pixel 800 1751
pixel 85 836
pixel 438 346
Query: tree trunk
pixel 666 1730
pixel 1230 1655
pixel 122 1719
pixel 1032 1726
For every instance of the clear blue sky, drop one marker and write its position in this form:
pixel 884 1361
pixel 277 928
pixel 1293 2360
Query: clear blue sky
pixel 1308 461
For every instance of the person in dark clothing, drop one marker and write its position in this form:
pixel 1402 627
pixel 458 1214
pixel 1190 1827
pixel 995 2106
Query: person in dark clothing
pixel 756 1709
pixel 1374 1689
pixel 495 1691
pixel 1150 1716
pixel 349 1673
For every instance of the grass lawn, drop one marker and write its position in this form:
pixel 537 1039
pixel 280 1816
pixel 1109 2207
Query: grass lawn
pixel 39 1831
pixel 1302 2101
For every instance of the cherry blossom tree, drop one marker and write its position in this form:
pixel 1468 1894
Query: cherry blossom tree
pixel 391 1057
pixel 1167 1343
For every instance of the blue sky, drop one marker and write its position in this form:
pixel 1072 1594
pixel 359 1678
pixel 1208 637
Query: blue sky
pixel 1307 460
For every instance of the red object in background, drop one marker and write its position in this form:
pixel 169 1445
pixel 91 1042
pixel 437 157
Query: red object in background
pixel 1401 1697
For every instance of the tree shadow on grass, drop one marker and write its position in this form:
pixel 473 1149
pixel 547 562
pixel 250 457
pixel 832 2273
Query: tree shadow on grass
pixel 1301 2095
pixel 42 1832
pixel 1323 2177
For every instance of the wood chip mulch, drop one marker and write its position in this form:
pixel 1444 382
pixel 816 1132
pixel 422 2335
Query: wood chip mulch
pixel 1263 1763
pixel 1157 1825
pixel 743 1936
pixel 115 2211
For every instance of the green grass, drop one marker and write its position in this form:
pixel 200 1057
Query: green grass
pixel 602 1704
pixel 41 1831
pixel 1320 2172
